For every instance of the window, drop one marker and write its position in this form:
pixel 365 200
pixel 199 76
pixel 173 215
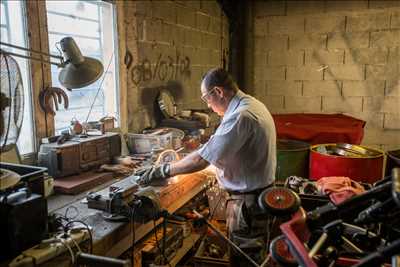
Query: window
pixel 13 31
pixel 92 25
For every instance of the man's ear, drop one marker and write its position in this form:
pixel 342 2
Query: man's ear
pixel 219 90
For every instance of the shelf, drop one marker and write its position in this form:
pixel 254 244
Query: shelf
pixel 188 243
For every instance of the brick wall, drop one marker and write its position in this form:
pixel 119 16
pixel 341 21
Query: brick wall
pixel 173 43
pixel 329 57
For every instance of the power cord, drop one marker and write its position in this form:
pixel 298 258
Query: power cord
pixel 132 211
pixel 155 216
pixel 203 236
pixel 71 252
pixel 68 209
pixel 158 244
pixel 88 229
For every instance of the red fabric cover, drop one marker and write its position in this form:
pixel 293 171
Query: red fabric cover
pixel 339 188
pixel 319 128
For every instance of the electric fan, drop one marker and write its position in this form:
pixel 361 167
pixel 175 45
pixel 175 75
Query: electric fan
pixel 11 112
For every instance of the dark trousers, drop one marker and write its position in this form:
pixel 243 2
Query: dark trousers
pixel 248 227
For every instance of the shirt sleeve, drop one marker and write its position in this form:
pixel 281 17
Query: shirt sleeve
pixel 228 139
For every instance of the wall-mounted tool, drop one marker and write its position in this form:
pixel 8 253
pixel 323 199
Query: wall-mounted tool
pixel 128 59
pixel 50 97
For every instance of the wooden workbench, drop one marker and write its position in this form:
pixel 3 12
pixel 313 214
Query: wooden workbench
pixel 113 238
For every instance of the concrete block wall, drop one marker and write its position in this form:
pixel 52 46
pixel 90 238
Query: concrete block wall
pixel 172 43
pixel 329 57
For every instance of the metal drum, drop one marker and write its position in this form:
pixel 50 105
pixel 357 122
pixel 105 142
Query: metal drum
pixel 292 159
pixel 359 163
pixel 392 161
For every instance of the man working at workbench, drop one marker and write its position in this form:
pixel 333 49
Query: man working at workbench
pixel 243 150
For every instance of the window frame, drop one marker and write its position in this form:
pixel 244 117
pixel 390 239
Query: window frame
pixel 28 87
pixel 40 73
pixel 110 106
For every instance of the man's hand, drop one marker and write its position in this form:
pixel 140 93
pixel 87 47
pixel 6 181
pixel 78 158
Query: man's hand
pixel 153 173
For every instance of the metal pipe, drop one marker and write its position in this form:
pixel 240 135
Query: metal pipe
pixel 396 261
pixel 29 57
pixel 100 261
pixel 350 244
pixel 217 231
pixel 318 245
pixel 30 50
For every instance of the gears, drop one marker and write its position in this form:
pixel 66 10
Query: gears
pixel 51 97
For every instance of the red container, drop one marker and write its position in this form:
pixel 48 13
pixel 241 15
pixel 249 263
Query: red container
pixel 362 169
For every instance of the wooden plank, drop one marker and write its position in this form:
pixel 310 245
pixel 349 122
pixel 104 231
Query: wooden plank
pixel 40 72
pixel 78 183
pixel 122 69
pixel 188 243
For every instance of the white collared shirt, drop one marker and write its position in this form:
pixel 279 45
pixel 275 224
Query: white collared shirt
pixel 243 148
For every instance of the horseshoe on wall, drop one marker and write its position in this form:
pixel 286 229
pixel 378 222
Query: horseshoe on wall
pixel 50 97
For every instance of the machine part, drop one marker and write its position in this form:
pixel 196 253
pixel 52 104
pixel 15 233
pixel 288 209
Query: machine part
pixel 279 201
pixel 8 178
pixel 166 103
pixel 375 212
pixel 396 261
pixel 52 96
pixel 164 242
pixel 100 261
pixel 220 234
pixel 31 176
pixel 214 251
pixel 123 200
pixel 396 185
pixel 330 231
pixel 167 156
pixel 115 203
pixel 280 252
pixel 49 249
pixel 23 221
pixel 149 207
pixel 11 100
pixel 320 242
pixel 359 150
pixel 378 257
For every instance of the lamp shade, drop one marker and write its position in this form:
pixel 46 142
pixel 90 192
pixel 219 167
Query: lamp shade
pixel 77 71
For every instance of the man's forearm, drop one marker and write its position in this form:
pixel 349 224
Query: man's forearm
pixel 191 163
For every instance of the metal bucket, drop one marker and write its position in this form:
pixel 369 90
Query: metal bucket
pixel 392 161
pixel 368 168
pixel 292 159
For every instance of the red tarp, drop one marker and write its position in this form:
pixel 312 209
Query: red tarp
pixel 319 128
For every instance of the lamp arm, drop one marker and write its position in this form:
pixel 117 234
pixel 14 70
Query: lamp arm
pixel 33 51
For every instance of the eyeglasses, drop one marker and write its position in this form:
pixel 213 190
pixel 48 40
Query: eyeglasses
pixel 206 96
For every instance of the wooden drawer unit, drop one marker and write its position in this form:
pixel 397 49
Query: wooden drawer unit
pixel 79 154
